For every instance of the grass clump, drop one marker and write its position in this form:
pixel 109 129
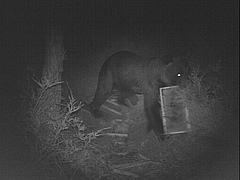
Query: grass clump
pixel 57 137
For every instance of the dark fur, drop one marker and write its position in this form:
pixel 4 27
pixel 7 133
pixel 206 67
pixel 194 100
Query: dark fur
pixel 131 74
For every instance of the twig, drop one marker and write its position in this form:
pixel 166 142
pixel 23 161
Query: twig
pixel 143 157
pixel 130 165
pixel 125 173
pixel 116 134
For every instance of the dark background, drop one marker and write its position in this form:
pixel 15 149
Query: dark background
pixel 93 25
pixel 93 30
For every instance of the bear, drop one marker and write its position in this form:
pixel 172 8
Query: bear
pixel 131 74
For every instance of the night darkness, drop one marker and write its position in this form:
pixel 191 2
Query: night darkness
pixel 93 30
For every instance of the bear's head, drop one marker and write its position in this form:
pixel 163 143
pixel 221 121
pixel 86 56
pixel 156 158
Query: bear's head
pixel 176 71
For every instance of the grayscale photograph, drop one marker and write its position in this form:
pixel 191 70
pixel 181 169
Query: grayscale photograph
pixel 119 90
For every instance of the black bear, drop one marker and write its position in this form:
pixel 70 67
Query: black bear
pixel 130 74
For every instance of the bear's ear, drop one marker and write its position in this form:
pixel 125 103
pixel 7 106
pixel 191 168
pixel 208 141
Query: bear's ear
pixel 187 56
pixel 169 65
pixel 168 59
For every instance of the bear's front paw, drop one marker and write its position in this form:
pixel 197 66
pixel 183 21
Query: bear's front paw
pixel 161 137
pixel 96 113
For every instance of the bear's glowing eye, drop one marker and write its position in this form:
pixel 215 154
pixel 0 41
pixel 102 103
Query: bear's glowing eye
pixel 179 75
